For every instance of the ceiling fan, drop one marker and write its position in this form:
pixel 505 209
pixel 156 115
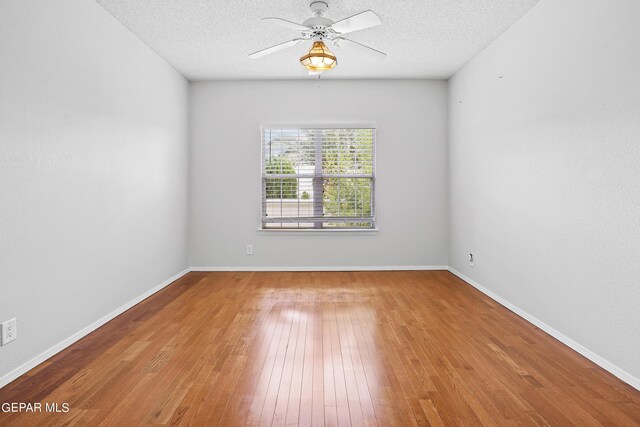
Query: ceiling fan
pixel 320 29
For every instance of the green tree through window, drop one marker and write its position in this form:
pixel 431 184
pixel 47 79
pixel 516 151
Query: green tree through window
pixel 344 154
pixel 281 188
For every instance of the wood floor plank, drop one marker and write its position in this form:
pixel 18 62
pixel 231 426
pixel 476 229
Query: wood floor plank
pixel 288 368
pixel 305 410
pixel 295 389
pixel 319 385
pixel 395 348
pixel 347 407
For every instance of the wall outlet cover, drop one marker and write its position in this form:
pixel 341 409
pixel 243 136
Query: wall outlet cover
pixel 9 331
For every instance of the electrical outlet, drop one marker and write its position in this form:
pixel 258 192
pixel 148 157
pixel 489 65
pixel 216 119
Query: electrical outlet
pixel 471 260
pixel 249 249
pixel 9 331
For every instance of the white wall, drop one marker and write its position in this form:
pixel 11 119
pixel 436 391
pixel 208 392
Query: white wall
pixel 545 172
pixel 411 171
pixel 93 170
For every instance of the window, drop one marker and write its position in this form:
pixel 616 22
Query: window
pixel 318 178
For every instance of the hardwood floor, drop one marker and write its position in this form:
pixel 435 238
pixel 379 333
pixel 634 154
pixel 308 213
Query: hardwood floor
pixel 331 348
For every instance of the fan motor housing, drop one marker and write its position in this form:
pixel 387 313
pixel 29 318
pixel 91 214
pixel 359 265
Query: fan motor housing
pixel 318 21
pixel 319 27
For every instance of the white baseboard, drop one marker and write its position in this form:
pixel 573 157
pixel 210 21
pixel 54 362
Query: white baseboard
pixel 26 367
pixel 598 360
pixel 327 268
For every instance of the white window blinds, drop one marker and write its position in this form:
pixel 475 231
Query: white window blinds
pixel 318 178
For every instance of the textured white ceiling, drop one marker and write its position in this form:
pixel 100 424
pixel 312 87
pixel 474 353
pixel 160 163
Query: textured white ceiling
pixel 210 39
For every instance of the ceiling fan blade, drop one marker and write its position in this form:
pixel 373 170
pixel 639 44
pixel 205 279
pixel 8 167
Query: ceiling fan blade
pixel 361 47
pixel 360 21
pixel 286 24
pixel 275 48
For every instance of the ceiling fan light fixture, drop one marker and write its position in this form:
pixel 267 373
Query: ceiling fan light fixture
pixel 319 58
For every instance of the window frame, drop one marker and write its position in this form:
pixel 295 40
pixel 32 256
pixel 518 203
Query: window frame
pixel 330 125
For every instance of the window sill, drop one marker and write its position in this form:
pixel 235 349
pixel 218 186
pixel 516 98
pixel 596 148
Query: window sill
pixel 319 231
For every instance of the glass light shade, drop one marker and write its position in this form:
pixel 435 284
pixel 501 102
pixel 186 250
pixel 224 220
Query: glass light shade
pixel 319 58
